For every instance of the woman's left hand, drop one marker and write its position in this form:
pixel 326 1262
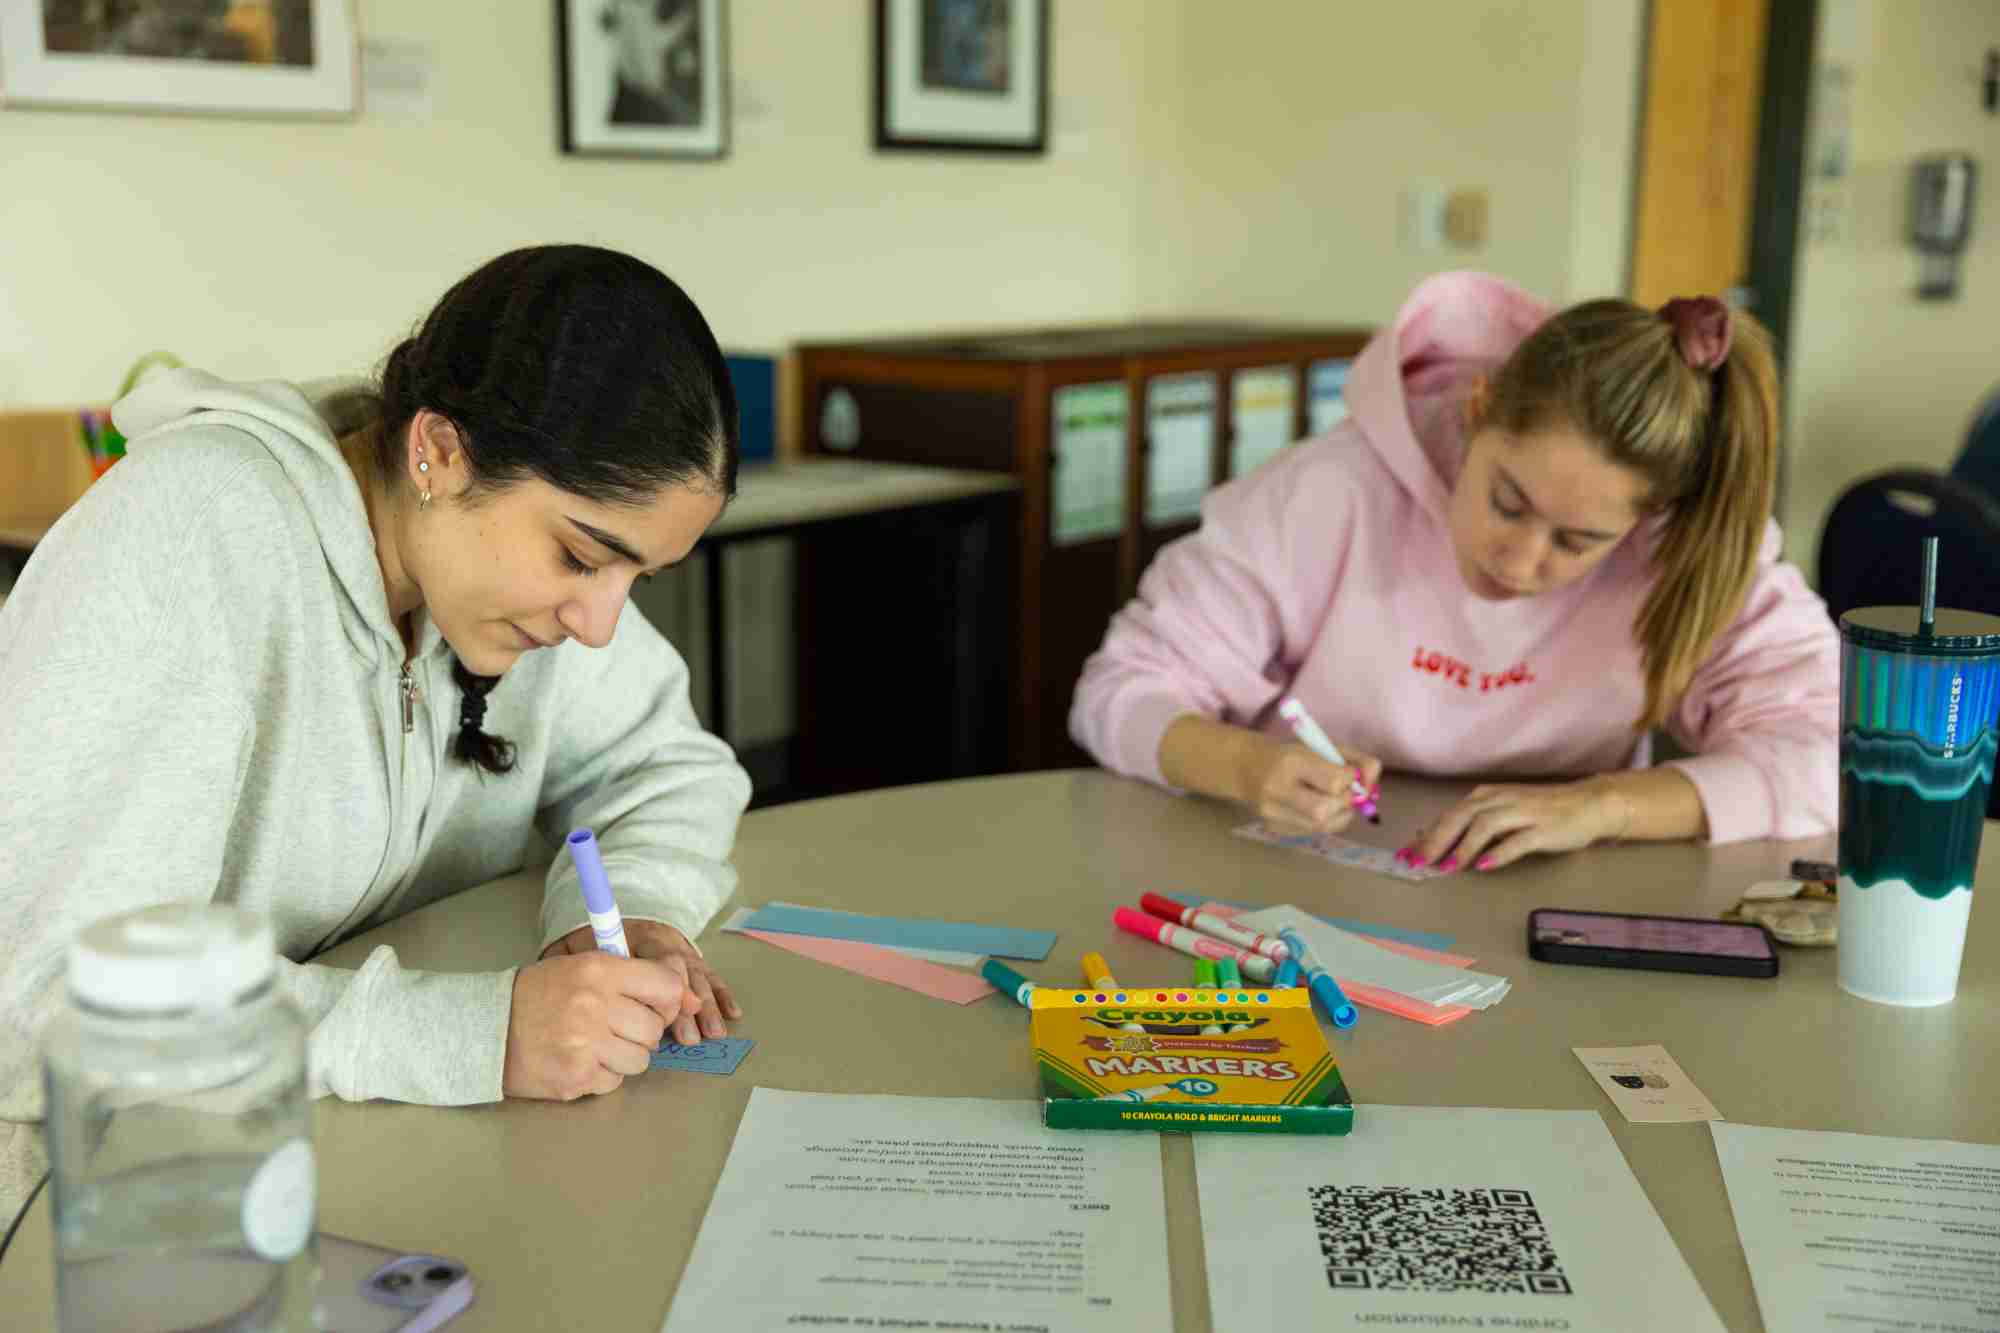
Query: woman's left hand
pixel 653 939
pixel 1497 825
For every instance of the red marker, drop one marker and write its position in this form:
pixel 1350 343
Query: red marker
pixel 1210 924
pixel 1193 943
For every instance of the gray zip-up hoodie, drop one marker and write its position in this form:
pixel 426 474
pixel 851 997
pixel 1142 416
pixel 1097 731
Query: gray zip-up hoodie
pixel 202 699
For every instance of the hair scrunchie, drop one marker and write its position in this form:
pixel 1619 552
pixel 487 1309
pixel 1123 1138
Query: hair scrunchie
pixel 1701 329
pixel 472 708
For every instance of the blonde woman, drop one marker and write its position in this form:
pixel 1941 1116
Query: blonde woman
pixel 1537 537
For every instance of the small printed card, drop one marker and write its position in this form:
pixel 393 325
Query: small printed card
pixel 1645 1084
pixel 1341 851
pixel 719 1055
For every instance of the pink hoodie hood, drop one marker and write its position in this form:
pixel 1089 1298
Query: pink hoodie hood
pixel 1407 389
pixel 1330 574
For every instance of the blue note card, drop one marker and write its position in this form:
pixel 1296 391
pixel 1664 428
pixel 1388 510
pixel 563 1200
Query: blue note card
pixel 910 932
pixel 719 1055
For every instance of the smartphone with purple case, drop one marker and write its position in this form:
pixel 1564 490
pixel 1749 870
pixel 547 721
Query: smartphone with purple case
pixel 366 1288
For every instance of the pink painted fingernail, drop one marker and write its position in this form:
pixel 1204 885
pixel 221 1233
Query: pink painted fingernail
pixel 1448 864
pixel 1403 855
pixel 1485 863
pixel 1418 862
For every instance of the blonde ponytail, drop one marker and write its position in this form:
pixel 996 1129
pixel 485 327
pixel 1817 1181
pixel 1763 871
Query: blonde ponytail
pixel 1708 550
pixel 1699 420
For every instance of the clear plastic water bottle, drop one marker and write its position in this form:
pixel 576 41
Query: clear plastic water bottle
pixel 180 1136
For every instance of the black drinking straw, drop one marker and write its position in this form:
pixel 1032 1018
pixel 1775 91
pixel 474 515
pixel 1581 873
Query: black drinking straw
pixel 1927 617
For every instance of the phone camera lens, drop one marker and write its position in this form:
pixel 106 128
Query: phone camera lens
pixel 440 1274
pixel 395 1281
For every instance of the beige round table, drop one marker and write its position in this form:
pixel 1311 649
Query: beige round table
pixel 584 1214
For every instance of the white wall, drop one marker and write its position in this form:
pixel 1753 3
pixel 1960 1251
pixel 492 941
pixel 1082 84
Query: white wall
pixel 1881 379
pixel 1301 133
pixel 260 247
pixel 1199 162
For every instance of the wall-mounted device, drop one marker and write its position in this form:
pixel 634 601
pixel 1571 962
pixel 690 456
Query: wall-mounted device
pixel 1941 191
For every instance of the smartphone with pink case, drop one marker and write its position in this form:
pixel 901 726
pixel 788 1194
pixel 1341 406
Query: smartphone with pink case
pixel 1652 943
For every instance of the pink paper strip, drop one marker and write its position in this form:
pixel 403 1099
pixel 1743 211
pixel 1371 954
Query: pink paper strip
pixel 872 960
pixel 1402 1006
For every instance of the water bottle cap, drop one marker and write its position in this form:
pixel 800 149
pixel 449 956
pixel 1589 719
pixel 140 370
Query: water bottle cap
pixel 173 957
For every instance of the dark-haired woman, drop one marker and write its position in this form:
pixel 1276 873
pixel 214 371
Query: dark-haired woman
pixel 332 660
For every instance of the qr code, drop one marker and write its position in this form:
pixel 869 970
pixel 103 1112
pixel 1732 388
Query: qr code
pixel 1392 1238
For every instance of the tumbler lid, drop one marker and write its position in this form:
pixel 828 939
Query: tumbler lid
pixel 176 956
pixel 1958 633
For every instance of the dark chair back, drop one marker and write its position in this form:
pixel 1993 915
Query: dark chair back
pixel 1979 462
pixel 1871 551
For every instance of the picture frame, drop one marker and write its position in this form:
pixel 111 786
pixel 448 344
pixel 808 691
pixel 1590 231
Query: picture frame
pixel 962 75
pixel 253 57
pixel 631 83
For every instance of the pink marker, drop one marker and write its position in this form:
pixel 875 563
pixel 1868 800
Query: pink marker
pixel 1220 927
pixel 1300 721
pixel 1193 943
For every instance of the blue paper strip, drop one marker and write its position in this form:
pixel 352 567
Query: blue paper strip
pixel 718 1055
pixel 997 941
pixel 1422 938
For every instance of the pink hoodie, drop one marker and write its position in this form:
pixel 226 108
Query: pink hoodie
pixel 1329 573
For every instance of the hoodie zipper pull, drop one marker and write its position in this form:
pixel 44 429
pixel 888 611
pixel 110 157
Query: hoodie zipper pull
pixel 409 689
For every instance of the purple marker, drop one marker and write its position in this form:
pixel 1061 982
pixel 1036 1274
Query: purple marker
pixel 605 923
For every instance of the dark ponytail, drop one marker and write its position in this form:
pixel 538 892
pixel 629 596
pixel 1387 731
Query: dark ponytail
pixel 578 366
pixel 472 744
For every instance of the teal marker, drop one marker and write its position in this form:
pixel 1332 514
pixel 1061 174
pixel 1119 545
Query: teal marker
pixel 1288 975
pixel 1324 988
pixel 1007 981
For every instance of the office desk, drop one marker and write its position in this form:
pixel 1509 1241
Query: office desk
pixel 586 1213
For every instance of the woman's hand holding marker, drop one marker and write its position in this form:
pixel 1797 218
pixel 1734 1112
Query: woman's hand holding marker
pixel 582 1023
pixel 1301 722
pixel 1496 825
pixel 709 1001
pixel 1295 790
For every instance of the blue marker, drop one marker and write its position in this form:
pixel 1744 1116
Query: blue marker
pixel 1288 974
pixel 605 923
pixel 1007 981
pixel 1324 987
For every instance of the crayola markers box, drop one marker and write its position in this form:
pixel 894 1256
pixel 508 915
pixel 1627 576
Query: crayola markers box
pixel 1170 1058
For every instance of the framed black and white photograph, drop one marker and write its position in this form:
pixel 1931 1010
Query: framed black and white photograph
pixel 968 75
pixel 286 57
pixel 642 77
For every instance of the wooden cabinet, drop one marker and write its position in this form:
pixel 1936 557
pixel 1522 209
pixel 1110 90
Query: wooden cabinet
pixel 1114 431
